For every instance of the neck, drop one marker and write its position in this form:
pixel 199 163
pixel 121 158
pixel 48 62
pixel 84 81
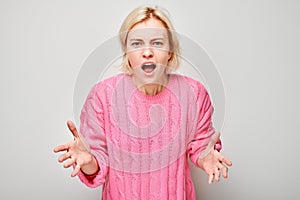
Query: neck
pixel 152 88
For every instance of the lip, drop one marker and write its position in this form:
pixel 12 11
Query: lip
pixel 148 67
pixel 148 63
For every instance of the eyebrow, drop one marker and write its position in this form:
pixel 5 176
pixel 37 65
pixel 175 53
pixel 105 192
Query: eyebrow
pixel 136 39
pixel 141 39
pixel 158 38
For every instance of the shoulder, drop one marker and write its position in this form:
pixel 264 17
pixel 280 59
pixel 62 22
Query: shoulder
pixel 111 80
pixel 194 84
pixel 104 88
pixel 109 83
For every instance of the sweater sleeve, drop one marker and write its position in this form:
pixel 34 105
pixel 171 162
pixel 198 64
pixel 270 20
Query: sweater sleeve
pixel 204 128
pixel 92 129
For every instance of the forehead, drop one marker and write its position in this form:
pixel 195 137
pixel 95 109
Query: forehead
pixel 149 23
pixel 148 29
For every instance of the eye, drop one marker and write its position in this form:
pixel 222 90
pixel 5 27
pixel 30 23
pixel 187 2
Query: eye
pixel 158 43
pixel 136 44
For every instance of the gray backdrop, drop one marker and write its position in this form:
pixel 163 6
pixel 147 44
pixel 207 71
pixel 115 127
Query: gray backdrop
pixel 254 45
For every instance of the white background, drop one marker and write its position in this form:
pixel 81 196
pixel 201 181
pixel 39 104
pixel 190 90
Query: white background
pixel 254 44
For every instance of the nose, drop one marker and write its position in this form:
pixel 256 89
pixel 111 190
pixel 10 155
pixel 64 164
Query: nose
pixel 147 53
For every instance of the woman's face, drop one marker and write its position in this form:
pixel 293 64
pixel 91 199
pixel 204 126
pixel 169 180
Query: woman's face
pixel 148 51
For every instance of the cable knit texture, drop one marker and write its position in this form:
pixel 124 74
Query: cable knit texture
pixel 142 142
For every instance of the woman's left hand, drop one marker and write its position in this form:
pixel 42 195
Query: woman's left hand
pixel 213 162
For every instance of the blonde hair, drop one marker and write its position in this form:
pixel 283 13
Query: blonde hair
pixel 142 14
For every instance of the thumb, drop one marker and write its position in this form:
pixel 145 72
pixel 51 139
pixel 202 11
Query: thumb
pixel 73 128
pixel 77 135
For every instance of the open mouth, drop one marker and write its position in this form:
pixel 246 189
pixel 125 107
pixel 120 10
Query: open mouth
pixel 148 68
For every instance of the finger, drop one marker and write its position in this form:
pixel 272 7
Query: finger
pixel 73 128
pixel 225 160
pixel 76 170
pixel 69 163
pixel 222 158
pixel 224 170
pixel 63 147
pixel 64 157
pixel 217 175
pixel 210 178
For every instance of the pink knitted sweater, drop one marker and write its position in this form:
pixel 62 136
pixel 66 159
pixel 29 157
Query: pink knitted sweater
pixel 142 142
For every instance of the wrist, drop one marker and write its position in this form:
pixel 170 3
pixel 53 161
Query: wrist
pixel 91 167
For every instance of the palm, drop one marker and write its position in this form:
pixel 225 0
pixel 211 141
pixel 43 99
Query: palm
pixel 77 151
pixel 212 161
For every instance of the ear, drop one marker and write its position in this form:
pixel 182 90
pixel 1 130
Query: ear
pixel 129 69
pixel 170 54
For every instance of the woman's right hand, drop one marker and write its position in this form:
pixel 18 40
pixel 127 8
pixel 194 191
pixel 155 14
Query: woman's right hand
pixel 77 153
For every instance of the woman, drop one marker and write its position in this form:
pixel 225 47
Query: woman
pixel 138 128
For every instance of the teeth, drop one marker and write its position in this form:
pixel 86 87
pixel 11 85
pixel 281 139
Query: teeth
pixel 148 67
